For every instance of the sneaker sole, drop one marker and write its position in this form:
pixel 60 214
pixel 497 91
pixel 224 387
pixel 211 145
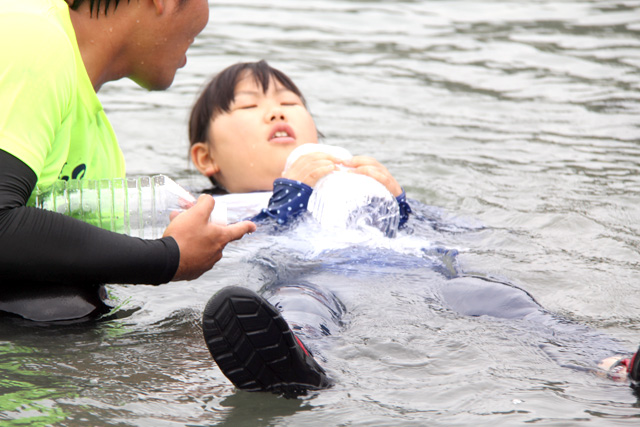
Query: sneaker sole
pixel 254 346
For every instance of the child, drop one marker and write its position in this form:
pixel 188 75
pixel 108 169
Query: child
pixel 243 128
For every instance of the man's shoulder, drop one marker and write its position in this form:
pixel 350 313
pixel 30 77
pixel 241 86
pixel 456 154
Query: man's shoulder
pixel 33 7
pixel 37 42
pixel 39 22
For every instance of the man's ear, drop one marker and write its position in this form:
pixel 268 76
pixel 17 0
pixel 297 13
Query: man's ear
pixel 203 160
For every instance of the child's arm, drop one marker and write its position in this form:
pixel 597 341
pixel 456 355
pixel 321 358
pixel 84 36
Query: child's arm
pixel 405 209
pixel 309 168
pixel 369 166
pixel 288 200
pixel 291 192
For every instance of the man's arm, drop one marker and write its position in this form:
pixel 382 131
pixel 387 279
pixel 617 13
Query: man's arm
pixel 45 246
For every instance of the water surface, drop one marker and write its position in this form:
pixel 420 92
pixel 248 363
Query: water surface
pixel 516 119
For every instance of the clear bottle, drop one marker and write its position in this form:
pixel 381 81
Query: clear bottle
pixel 342 199
pixel 139 207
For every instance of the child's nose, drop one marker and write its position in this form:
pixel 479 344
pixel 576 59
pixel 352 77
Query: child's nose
pixel 276 114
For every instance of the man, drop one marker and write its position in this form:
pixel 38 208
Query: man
pixel 55 57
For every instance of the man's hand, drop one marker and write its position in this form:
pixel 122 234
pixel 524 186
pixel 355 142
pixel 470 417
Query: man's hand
pixel 201 242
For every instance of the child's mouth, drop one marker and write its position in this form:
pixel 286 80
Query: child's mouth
pixel 282 133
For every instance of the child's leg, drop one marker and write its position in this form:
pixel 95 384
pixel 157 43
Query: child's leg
pixel 477 296
pixel 311 311
pixel 568 343
pixel 254 346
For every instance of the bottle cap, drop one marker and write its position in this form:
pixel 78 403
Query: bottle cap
pixel 219 213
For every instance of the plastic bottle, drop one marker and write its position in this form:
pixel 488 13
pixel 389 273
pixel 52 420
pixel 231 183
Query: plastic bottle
pixel 139 207
pixel 342 199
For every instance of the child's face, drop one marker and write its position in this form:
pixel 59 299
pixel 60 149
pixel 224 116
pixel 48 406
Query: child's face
pixel 249 145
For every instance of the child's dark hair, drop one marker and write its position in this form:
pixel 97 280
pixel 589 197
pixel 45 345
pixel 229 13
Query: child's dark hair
pixel 217 96
pixel 219 93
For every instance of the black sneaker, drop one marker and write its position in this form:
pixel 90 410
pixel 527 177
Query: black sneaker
pixel 254 346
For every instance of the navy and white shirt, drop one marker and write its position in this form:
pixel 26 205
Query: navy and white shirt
pixel 290 198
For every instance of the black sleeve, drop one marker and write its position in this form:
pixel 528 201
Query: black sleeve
pixel 37 245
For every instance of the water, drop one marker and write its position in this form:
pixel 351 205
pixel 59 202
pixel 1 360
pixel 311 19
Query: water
pixel 517 116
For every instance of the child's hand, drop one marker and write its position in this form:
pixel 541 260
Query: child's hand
pixel 311 167
pixel 369 166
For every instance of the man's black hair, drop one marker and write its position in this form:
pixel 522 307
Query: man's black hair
pixel 96 4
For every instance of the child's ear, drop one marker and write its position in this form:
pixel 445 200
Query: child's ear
pixel 202 159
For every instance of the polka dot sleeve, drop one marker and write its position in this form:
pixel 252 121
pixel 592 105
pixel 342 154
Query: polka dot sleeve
pixel 289 199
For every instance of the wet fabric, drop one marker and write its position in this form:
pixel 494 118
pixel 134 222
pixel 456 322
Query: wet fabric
pixel 290 198
pixel 52 126
pixel 50 115
pixel 41 247
pixel 316 311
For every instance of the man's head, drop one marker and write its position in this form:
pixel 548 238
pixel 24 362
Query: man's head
pixel 162 38
pixel 145 40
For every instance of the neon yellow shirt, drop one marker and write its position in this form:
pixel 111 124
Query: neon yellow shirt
pixel 50 115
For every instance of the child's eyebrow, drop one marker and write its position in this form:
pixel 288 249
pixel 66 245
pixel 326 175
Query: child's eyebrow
pixel 256 93
pixel 246 92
